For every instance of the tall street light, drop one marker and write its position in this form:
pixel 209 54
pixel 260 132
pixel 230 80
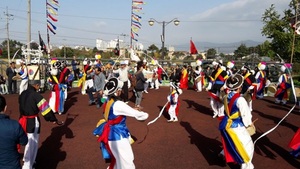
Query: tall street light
pixel 164 24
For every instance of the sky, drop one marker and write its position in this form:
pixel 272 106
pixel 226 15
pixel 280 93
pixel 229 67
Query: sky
pixel 82 22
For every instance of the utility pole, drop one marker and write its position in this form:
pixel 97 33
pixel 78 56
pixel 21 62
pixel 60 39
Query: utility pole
pixel 29 30
pixel 8 17
pixel 123 44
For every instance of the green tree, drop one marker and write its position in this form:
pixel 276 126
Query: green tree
pixel 265 49
pixel 13 47
pixel 66 51
pixel 211 52
pixel 241 51
pixel 154 51
pixel 279 30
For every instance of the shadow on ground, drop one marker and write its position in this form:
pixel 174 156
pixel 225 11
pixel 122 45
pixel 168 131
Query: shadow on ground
pixel 52 145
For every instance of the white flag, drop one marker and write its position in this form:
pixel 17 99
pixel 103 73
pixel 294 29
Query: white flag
pixel 133 56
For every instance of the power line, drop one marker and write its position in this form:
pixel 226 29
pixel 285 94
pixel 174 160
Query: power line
pixel 124 19
pixel 8 17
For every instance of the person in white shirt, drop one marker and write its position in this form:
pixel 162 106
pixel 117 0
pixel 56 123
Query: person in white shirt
pixel 112 131
pixel 123 76
pixel 23 72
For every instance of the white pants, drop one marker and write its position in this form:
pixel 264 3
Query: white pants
pixel 31 147
pixel 23 85
pixel 4 89
pixel 155 83
pixel 52 101
pixel 217 107
pixel 87 84
pixel 199 86
pixel 247 143
pixel 123 153
pixel 172 112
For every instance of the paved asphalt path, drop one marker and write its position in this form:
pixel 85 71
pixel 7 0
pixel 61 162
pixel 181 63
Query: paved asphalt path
pixel 191 143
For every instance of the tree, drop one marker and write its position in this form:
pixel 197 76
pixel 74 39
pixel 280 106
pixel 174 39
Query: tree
pixel 153 48
pixel 67 51
pixel 13 47
pixel 154 51
pixel 279 30
pixel 241 51
pixel 265 49
pixel 211 52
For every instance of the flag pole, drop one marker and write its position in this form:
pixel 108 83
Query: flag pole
pixel 131 24
pixel 48 36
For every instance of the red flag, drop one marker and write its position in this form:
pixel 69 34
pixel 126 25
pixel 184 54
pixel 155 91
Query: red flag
pixel 193 49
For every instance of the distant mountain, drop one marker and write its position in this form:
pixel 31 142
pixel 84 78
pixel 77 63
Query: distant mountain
pixel 222 47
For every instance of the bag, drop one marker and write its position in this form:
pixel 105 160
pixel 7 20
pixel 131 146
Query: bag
pixel 251 129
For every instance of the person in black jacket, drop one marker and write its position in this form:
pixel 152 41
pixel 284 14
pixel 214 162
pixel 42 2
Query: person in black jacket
pixel 11 134
pixel 139 87
pixel 31 103
pixel 10 73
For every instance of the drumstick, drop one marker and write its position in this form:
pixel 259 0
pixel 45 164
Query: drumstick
pixel 254 120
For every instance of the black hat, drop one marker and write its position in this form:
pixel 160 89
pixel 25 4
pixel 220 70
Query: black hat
pixel 245 68
pixel 112 86
pixel 234 81
pixel 174 86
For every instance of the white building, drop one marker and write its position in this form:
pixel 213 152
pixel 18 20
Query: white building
pixel 104 45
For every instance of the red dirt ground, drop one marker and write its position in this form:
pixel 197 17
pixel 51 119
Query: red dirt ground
pixel 192 142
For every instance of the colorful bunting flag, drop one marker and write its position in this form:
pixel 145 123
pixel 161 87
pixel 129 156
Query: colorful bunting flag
pixel 135 19
pixel 52 18
pixel 52 8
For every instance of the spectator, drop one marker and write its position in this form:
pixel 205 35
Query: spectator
pixel 123 76
pixel 10 73
pixel 3 86
pixel 174 78
pixel 190 74
pixel 11 134
pixel 139 87
pixel 99 82
pixel 74 64
pixel 147 73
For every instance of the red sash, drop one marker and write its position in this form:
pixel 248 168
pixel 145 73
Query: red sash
pixel 62 75
pixel 104 138
pixel 214 96
pixel 23 123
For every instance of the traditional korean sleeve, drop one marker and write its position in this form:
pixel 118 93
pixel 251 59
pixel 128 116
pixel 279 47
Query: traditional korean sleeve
pixel 245 111
pixel 121 108
pixel 23 73
pixel 44 108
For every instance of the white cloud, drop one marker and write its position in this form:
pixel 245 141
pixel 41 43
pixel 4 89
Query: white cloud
pixel 229 22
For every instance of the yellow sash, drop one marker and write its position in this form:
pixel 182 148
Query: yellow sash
pixel 239 147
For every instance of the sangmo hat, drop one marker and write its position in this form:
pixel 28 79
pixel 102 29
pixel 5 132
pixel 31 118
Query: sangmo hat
pixel 234 82
pixel 112 86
